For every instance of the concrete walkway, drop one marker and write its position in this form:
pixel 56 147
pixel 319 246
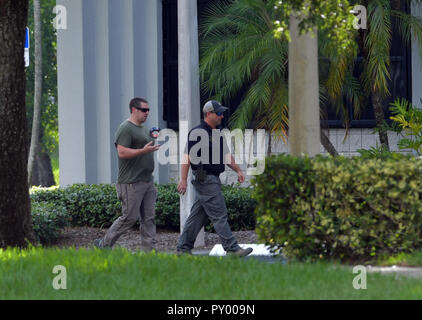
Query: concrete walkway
pixel 412 272
pixel 262 254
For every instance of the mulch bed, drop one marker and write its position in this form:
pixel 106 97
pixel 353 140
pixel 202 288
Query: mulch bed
pixel 83 237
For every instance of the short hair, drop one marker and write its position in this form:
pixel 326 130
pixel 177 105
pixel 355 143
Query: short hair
pixel 136 103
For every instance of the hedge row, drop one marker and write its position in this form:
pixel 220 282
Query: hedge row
pixel 98 205
pixel 340 208
pixel 48 219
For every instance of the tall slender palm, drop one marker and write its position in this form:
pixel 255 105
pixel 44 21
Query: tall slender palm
pixel 239 53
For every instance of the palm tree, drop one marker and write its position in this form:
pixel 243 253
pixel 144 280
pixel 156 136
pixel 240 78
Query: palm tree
pixel 240 53
pixel 375 44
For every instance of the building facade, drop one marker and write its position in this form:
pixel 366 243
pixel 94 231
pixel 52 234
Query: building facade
pixel 114 50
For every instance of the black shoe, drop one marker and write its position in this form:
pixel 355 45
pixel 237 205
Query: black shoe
pixel 240 252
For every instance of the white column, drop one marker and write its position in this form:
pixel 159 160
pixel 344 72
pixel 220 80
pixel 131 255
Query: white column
pixel 71 90
pixel 109 53
pixel 147 25
pixel 189 95
pixel 121 65
pixel 97 92
pixel 304 125
pixel 84 93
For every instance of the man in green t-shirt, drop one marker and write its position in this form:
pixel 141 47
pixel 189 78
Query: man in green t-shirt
pixel 135 185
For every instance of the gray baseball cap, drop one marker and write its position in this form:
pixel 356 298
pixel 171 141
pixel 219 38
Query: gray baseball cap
pixel 214 106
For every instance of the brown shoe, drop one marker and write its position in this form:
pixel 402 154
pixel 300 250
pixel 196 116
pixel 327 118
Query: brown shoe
pixel 240 252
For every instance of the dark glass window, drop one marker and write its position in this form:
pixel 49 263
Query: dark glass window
pixel 400 70
pixel 170 65
pixel 400 84
pixel 170 62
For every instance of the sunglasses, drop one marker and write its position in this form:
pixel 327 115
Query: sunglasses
pixel 144 110
pixel 219 113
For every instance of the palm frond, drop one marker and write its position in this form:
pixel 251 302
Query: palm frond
pixel 409 26
pixel 256 98
pixel 378 44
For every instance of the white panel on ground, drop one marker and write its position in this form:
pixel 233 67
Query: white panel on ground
pixel 258 250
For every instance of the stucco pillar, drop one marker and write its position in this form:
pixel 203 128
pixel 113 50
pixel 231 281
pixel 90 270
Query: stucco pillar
pixel 304 125
pixel 110 52
pixel 189 95
pixel 71 90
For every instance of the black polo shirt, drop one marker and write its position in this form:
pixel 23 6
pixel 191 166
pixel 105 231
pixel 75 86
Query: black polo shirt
pixel 207 147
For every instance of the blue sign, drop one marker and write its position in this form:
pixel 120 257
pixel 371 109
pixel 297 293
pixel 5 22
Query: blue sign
pixel 26 52
pixel 27 38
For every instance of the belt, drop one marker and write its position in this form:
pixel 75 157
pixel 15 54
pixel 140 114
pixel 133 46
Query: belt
pixel 209 173
pixel 212 173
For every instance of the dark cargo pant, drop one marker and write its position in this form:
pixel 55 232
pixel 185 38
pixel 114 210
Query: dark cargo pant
pixel 138 203
pixel 209 203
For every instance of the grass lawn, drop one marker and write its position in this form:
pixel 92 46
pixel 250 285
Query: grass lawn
pixel 119 274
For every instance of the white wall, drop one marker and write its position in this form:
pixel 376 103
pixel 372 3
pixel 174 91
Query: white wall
pixel 110 52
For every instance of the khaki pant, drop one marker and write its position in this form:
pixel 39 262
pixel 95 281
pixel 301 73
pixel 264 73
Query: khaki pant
pixel 138 203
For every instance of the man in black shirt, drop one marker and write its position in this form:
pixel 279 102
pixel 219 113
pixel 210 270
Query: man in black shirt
pixel 207 153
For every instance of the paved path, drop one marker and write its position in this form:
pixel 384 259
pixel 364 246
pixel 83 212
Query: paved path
pixel 413 272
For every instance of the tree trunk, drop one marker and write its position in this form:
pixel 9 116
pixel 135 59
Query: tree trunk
pixel 304 118
pixel 15 214
pixel 379 118
pixel 328 146
pixel 42 172
pixel 35 140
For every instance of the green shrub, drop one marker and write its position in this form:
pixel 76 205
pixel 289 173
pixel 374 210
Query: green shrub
pixel 167 207
pixel 240 207
pixel 382 153
pixel 52 194
pixel 349 209
pixel 87 205
pixel 98 205
pixel 409 119
pixel 48 219
pixel 92 205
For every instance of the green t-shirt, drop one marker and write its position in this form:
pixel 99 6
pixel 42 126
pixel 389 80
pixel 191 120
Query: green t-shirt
pixel 139 168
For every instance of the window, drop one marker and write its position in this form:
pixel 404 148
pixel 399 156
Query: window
pixel 399 86
pixel 400 70
pixel 170 65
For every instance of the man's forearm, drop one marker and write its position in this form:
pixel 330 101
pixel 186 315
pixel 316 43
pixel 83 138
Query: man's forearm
pixel 184 170
pixel 127 153
pixel 233 165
